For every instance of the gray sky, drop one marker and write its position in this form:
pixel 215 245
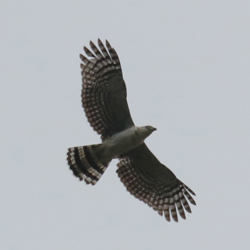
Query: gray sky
pixel 186 66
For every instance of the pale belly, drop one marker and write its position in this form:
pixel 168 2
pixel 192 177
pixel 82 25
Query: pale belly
pixel 121 143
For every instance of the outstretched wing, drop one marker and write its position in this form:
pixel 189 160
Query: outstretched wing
pixel 150 181
pixel 104 91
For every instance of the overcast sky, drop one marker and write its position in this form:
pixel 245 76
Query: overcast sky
pixel 186 66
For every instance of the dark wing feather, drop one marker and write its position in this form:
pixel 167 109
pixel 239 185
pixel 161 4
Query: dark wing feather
pixel 104 96
pixel 152 182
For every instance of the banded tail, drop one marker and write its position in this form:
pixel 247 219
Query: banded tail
pixel 85 164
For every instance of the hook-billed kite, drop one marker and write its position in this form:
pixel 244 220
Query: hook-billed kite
pixel 104 102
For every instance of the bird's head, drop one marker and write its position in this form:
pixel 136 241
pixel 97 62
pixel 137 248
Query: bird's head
pixel 145 131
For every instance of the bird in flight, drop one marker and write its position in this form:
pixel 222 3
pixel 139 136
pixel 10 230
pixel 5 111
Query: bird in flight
pixel 104 99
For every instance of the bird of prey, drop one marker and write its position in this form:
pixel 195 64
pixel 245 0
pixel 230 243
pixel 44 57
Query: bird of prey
pixel 105 105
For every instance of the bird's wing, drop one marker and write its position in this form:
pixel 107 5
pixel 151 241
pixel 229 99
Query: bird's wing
pixel 152 182
pixel 104 91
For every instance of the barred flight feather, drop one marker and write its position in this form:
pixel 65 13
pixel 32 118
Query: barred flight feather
pixel 164 201
pixel 97 75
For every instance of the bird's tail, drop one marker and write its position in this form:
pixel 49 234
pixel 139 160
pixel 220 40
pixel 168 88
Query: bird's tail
pixel 85 164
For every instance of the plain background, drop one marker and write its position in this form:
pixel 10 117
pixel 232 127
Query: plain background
pixel 186 66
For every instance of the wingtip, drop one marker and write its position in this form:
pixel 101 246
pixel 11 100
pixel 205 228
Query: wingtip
pixel 107 43
pixel 84 48
pixel 183 216
pixel 188 189
pixel 194 202
pixel 167 218
pixel 160 212
pixel 191 191
pixel 82 57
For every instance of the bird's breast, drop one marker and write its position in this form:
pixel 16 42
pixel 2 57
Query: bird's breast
pixel 122 142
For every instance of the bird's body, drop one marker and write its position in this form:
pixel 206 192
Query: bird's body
pixel 122 142
pixel 104 101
